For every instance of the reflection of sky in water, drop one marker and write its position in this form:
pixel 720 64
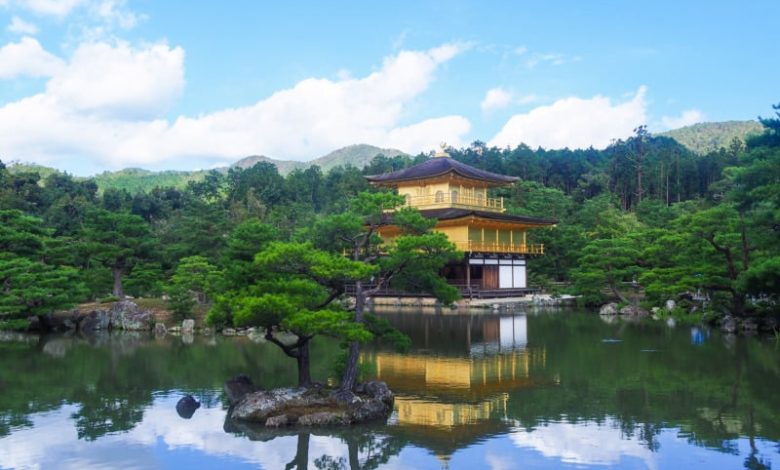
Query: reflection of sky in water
pixel 163 440
pixel 467 396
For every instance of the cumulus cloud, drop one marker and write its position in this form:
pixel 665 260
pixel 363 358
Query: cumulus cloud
pixel 108 104
pixel 575 123
pixel 119 81
pixel 27 58
pixel 19 26
pixel 495 98
pixel 688 117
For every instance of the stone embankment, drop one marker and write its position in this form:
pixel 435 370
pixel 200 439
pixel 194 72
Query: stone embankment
pixel 124 315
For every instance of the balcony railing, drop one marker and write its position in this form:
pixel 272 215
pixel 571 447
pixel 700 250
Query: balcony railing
pixel 497 247
pixel 446 200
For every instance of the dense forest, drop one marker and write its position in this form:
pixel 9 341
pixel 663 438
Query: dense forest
pixel 644 220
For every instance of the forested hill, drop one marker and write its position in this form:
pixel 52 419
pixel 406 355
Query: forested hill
pixel 137 179
pixel 710 136
pixel 700 138
pixel 644 220
pixel 358 155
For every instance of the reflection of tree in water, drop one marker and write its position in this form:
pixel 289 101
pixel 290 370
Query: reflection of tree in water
pixel 113 378
pixel 100 415
pixel 368 447
pixel 376 450
pixel 301 459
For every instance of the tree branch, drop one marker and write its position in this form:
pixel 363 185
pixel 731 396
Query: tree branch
pixel 288 350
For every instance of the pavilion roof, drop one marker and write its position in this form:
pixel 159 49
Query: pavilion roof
pixel 452 213
pixel 436 167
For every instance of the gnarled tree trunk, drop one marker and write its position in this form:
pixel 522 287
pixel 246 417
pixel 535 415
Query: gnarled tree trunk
pixel 349 378
pixel 118 290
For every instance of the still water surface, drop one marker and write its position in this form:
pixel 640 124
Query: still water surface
pixel 545 390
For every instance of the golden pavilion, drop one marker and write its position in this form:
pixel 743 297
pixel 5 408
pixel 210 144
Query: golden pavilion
pixel 456 195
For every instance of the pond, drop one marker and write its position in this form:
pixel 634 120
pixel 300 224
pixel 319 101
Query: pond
pixel 481 390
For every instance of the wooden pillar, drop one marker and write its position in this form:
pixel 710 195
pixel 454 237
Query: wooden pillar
pixel 468 275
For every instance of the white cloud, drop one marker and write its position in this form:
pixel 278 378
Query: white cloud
pixel 688 117
pixel 58 8
pixel 575 123
pixel 498 98
pixel 19 26
pixel 495 98
pixel 553 58
pixel 27 58
pixel 107 105
pixel 120 81
pixel 584 443
pixel 114 12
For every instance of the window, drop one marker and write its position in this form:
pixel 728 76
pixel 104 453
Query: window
pixel 454 195
pixel 408 199
pixel 439 196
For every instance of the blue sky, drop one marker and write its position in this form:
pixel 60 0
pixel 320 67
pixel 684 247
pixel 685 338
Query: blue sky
pixel 88 85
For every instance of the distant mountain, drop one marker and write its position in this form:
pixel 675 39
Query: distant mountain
pixel 138 179
pixel 708 136
pixel 283 166
pixel 43 171
pixel 358 155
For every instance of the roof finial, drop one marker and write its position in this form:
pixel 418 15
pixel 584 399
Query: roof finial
pixel 442 151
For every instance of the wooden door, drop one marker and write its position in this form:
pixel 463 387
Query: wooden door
pixel 490 277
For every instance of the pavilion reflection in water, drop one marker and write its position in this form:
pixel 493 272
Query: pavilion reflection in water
pixel 468 386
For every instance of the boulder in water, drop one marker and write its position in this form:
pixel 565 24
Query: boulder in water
pixel 633 310
pixel 96 320
pixel 609 309
pixel 728 324
pixel 186 406
pixel 188 326
pixel 160 329
pixel 126 315
pixel 372 401
pixel 238 387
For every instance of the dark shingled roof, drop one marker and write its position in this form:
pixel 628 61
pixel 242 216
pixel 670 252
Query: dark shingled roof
pixel 450 213
pixel 438 167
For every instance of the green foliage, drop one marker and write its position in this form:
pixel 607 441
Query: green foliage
pixel 698 223
pixel 607 263
pixel 28 284
pixel 21 234
pixel 145 280
pixel 197 275
pixel 16 324
pixel 416 260
pixel 711 136
pixel 181 302
pixel 116 240
pixel 33 288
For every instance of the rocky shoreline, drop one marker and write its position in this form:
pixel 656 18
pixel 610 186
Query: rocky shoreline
pixel 728 324
pixel 315 406
pixel 123 315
